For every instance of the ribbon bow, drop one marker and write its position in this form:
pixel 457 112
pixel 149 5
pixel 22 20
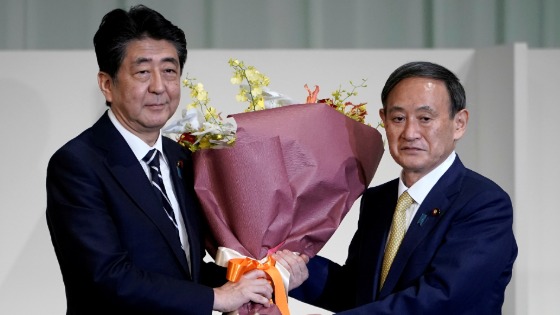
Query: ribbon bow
pixel 237 267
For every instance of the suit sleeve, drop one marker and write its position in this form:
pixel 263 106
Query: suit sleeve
pixel 84 232
pixel 332 286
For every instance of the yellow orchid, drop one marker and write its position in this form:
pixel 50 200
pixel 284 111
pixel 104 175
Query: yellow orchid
pixel 256 92
pixel 236 79
pixel 210 113
pixel 241 96
pixel 253 91
pixel 205 143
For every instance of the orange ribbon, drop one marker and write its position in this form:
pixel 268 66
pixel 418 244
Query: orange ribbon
pixel 239 266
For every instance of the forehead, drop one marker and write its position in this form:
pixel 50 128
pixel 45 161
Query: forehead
pixel 150 49
pixel 419 92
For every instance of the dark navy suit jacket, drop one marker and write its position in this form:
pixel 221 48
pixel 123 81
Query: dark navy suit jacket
pixel 456 257
pixel 118 251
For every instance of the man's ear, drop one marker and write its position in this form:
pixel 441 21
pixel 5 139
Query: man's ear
pixel 382 115
pixel 105 83
pixel 460 122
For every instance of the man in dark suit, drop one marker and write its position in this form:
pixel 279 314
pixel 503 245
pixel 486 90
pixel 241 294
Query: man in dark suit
pixel 128 242
pixel 458 248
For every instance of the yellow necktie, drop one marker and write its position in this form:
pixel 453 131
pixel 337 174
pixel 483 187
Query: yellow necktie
pixel 396 234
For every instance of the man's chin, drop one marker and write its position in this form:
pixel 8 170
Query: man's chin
pixel 411 164
pixel 159 120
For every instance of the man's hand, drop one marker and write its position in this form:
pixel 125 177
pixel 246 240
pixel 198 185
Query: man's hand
pixel 252 287
pixel 295 264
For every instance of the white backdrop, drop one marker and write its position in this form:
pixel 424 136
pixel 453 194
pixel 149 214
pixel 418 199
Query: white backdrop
pixel 48 97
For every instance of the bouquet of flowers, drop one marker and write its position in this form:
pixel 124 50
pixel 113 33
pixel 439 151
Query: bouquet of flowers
pixel 285 178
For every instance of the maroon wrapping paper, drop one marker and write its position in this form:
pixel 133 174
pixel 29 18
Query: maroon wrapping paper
pixel 289 180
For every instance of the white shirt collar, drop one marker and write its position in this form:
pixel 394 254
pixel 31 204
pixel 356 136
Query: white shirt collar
pixel 422 187
pixel 138 146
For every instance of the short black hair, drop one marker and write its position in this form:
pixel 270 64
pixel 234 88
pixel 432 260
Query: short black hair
pixel 426 69
pixel 119 27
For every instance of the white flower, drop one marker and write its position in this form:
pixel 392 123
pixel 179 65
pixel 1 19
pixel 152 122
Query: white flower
pixel 192 120
pixel 274 99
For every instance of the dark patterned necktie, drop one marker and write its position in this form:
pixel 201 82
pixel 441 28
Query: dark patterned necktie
pixel 152 159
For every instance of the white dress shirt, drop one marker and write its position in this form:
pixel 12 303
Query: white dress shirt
pixel 421 188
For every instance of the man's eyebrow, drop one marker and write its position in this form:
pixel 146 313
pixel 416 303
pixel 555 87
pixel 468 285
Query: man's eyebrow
pixel 171 60
pixel 141 60
pixel 426 108
pixel 395 108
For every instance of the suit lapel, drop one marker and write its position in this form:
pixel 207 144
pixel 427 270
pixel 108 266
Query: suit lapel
pixel 126 169
pixel 379 210
pixel 439 199
pixel 178 166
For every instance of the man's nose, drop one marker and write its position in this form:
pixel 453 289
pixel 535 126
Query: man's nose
pixel 156 84
pixel 410 131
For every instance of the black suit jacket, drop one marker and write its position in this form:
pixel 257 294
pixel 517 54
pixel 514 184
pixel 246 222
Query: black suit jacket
pixel 456 257
pixel 117 249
